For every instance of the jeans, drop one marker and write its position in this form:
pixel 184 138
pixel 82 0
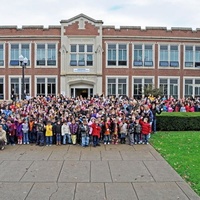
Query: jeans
pixel 106 138
pixel 137 137
pixel 131 138
pixel 40 138
pixel 85 141
pixel 25 138
pixel 12 139
pixel 48 140
pixel 58 137
pixel 95 141
pixel 67 138
pixel 32 137
pixel 145 138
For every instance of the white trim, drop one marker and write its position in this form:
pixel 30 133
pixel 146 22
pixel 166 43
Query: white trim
pixel 168 44
pixel 143 51
pixel 116 78
pixel 193 84
pixel 20 83
pixel 168 83
pixel 117 54
pixel 4 87
pixel 46 83
pixel 46 54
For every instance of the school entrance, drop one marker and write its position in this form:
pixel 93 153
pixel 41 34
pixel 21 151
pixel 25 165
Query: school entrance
pixel 81 91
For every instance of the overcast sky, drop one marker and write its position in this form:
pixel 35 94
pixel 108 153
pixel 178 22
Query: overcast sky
pixel 167 13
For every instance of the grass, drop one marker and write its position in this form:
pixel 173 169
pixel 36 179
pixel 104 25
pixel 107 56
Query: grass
pixel 182 151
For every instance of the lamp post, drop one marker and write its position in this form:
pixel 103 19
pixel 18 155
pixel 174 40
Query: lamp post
pixel 23 62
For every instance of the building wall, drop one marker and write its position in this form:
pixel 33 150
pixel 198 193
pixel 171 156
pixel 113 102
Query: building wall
pixel 84 30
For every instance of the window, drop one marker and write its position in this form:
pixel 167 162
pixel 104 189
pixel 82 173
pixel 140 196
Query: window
pixel 19 49
pixel 139 84
pixel 143 55
pixel 192 87
pixel 1 55
pixel 117 55
pixel 116 86
pixel 46 55
pixel 46 86
pixel 1 88
pixel 16 84
pixel 192 56
pixel 169 87
pixel 169 56
pixel 81 55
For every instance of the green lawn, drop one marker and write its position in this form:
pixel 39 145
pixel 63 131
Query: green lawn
pixel 182 151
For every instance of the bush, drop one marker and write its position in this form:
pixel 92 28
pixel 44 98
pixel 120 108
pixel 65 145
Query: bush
pixel 178 121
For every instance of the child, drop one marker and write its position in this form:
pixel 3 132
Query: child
pixel 137 132
pixel 25 129
pixel 19 131
pixel 96 130
pixel 146 130
pixel 107 131
pixel 3 139
pixel 66 133
pixel 115 131
pixel 84 133
pixel 48 134
pixel 73 127
pixel 123 131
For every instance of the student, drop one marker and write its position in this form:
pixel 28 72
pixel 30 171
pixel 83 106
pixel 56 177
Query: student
pixel 123 131
pixel 57 132
pixel 3 139
pixel 96 130
pixel 40 128
pixel 137 132
pixel 84 130
pixel 146 130
pixel 107 131
pixel 66 133
pixel 73 127
pixel 48 133
pixel 25 129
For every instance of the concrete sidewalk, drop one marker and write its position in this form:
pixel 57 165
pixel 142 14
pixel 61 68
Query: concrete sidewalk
pixel 112 172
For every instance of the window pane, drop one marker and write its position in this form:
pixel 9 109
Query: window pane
pixel 81 48
pixel 73 48
pixel 148 53
pixel 14 51
pixel 137 80
pixel 197 54
pixel 163 53
pixel 137 52
pixel 1 55
pixel 51 54
pixel 174 53
pixel 189 54
pixel 89 48
pixel 147 81
pixel 121 80
pixel 111 80
pixel 41 52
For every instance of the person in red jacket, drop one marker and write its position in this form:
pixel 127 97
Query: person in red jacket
pixel 96 130
pixel 146 130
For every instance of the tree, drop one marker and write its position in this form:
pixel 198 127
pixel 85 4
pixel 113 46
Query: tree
pixel 151 90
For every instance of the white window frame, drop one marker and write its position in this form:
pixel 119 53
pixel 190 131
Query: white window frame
pixel 184 48
pixel 3 43
pixel 20 44
pixel 117 54
pixel 20 83
pixel 142 78
pixel 168 47
pixel 143 53
pixel 46 83
pixel 46 54
pixel 193 84
pixel 168 83
pixel 117 77
pixel 4 87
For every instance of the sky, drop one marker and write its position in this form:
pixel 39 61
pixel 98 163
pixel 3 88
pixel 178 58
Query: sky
pixel 144 13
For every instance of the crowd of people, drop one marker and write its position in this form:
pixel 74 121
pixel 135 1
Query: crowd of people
pixel 85 121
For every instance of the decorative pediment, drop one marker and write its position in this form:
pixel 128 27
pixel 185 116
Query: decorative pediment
pixel 81 19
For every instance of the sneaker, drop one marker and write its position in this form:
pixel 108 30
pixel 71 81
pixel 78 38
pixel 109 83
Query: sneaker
pixel 27 143
pixel 143 143
pixel 47 145
pixel 147 143
pixel 135 143
pixel 2 148
pixel 104 142
pixel 108 142
pixel 24 142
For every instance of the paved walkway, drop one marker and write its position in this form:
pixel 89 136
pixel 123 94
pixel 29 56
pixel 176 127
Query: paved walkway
pixel 112 172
